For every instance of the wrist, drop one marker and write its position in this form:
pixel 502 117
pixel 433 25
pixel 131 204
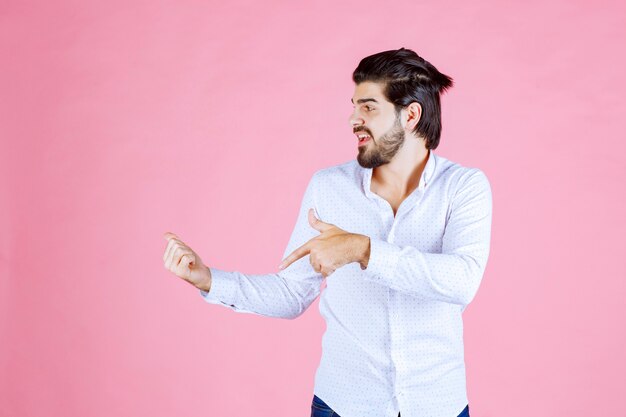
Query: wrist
pixel 205 285
pixel 365 251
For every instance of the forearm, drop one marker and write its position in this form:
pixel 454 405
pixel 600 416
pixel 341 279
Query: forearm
pixel 271 295
pixel 452 278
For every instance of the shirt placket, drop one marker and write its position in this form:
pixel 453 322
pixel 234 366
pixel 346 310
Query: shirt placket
pixel 397 329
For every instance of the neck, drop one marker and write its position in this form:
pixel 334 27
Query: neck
pixel 402 175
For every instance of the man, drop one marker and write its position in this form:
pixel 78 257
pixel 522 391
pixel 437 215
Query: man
pixel 402 236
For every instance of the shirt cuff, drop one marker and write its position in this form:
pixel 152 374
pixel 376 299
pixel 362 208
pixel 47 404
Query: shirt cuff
pixel 223 288
pixel 383 258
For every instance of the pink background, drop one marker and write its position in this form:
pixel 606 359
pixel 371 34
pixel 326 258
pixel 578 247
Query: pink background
pixel 120 122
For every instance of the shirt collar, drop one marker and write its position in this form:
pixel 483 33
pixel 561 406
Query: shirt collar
pixel 427 175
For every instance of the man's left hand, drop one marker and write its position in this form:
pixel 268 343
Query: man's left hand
pixel 332 249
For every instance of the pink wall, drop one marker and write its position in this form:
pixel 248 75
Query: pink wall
pixel 120 122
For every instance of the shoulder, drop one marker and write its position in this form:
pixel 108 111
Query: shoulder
pixel 337 175
pixel 458 176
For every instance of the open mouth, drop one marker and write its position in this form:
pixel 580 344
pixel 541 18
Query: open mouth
pixel 363 138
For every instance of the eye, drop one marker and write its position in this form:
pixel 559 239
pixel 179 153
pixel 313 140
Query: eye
pixel 369 108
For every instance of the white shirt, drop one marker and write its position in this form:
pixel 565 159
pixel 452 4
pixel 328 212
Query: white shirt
pixel 394 332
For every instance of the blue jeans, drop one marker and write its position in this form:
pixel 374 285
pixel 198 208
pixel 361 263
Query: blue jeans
pixel 320 409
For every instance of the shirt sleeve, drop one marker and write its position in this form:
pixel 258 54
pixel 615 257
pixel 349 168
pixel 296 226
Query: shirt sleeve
pixel 286 294
pixel 453 275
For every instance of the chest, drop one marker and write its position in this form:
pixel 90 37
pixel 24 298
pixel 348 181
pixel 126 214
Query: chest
pixel 394 199
pixel 418 221
pixel 394 203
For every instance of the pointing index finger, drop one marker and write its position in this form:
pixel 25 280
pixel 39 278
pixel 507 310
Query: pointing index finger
pixel 295 255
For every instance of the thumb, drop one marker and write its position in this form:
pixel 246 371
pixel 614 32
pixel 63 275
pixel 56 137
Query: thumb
pixel 316 223
pixel 169 235
pixel 189 259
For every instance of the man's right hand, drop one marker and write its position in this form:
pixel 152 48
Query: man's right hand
pixel 185 263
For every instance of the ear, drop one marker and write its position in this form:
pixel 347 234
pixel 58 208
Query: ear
pixel 414 114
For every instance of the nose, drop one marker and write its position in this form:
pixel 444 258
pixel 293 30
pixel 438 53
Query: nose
pixel 355 120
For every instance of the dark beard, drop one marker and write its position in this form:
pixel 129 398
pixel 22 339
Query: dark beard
pixel 385 148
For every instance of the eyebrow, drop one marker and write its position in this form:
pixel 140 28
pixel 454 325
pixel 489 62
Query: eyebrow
pixel 364 100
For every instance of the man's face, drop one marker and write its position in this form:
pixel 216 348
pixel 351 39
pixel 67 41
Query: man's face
pixel 375 116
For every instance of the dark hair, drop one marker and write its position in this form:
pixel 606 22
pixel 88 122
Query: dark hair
pixel 407 77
